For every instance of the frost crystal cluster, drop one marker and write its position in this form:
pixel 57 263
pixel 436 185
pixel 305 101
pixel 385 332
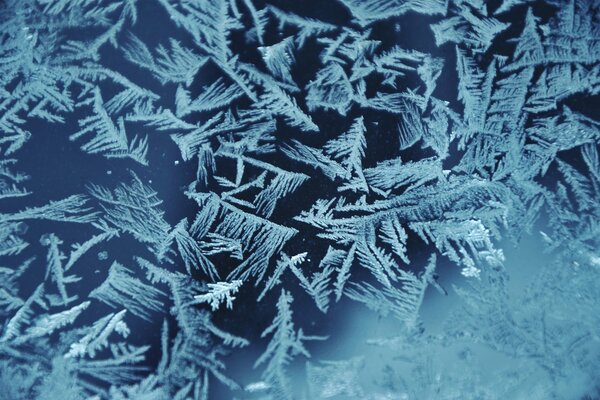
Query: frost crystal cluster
pixel 197 197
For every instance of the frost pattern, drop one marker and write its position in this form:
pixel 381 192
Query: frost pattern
pixel 328 158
